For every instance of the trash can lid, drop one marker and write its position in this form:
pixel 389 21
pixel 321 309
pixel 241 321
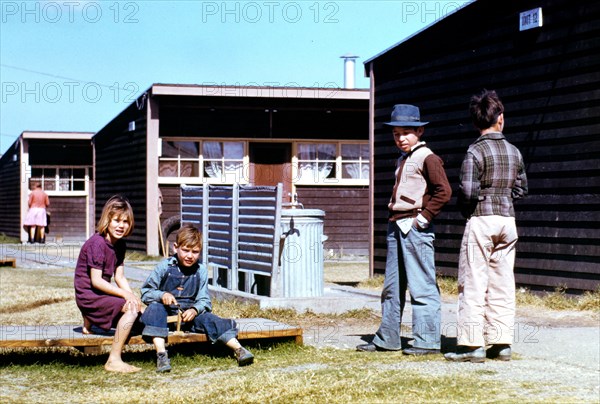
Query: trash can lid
pixel 302 212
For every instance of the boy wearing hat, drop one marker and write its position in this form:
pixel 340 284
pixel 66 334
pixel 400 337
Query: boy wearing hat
pixel 420 191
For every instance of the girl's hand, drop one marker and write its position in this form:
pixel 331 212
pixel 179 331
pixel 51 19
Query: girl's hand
pixel 130 306
pixel 132 302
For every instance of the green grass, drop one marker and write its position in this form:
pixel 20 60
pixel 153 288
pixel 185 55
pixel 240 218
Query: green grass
pixel 558 299
pixel 140 256
pixel 283 372
pixel 4 239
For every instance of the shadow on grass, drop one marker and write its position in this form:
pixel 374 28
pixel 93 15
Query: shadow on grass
pixel 65 356
pixel 50 356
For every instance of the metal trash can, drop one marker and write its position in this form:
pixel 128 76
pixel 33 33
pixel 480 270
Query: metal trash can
pixel 301 255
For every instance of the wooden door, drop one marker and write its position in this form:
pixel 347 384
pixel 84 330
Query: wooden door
pixel 270 164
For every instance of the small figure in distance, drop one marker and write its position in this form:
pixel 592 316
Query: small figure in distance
pixel 36 219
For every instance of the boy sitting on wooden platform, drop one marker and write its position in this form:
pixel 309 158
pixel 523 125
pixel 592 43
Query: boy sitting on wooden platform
pixel 181 283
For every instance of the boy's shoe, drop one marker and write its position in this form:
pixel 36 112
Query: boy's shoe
pixel 499 351
pixel 467 354
pixel 371 347
pixel 420 351
pixel 244 357
pixel 163 364
pixel 367 347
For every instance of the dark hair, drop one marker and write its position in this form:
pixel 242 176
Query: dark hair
pixel 118 206
pixel 485 109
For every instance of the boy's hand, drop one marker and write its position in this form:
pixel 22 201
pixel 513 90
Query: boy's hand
pixel 168 299
pixel 189 315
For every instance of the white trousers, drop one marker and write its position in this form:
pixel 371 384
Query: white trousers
pixel 486 282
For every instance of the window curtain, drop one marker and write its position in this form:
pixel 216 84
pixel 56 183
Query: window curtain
pixel 355 170
pixel 316 168
pixel 213 151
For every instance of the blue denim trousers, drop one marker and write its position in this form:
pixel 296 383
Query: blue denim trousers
pixel 410 263
pixel 216 328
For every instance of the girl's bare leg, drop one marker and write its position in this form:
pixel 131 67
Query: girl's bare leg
pixel 114 362
pixel 87 326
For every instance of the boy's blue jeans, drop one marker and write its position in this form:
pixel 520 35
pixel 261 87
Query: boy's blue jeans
pixel 216 328
pixel 410 263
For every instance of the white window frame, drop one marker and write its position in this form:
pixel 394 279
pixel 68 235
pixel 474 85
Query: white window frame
pixel 179 160
pixel 201 178
pixel 43 180
pixel 338 178
pixel 360 161
pixel 243 177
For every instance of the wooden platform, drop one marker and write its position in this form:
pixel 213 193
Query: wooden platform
pixel 21 336
pixel 8 262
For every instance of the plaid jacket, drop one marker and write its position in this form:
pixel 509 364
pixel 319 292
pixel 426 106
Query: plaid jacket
pixel 491 177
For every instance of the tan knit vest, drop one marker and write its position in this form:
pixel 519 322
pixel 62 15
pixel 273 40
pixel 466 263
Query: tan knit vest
pixel 410 185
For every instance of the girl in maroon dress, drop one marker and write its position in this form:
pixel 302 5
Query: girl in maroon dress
pixel 102 303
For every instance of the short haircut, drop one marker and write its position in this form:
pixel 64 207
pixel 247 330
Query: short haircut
pixel 485 108
pixel 118 206
pixel 189 236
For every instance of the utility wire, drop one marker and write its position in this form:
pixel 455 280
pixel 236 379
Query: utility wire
pixel 60 77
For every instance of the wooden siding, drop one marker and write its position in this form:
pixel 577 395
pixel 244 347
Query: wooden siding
pixel 549 81
pixel 171 201
pixel 10 196
pixel 121 167
pixel 68 219
pixel 346 216
pixel 171 210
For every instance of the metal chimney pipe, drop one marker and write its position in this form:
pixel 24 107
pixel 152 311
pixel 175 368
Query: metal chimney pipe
pixel 349 70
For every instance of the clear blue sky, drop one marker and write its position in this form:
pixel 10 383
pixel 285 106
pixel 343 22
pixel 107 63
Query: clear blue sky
pixel 71 65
